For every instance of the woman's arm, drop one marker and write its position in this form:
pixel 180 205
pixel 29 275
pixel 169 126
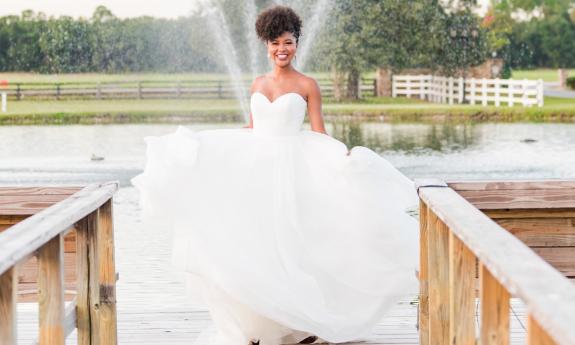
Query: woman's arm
pixel 314 107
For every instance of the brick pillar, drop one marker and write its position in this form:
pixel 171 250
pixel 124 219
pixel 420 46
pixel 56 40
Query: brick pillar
pixel 383 82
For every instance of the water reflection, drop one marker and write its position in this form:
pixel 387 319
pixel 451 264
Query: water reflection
pixel 408 138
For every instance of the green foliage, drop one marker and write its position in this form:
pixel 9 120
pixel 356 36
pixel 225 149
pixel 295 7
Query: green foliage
pixel 571 82
pixel 104 43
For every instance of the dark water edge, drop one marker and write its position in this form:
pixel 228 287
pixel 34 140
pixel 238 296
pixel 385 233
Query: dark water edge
pixel 203 117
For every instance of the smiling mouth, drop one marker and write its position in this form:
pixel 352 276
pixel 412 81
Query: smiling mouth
pixel 282 56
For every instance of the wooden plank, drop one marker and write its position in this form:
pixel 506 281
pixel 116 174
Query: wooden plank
pixel 106 279
pixel 537 335
pixel 562 258
pixel 84 326
pixel 27 204
pixel 522 272
pixel 541 232
pixel 51 292
pixel 531 213
pixel 494 310
pixel 461 293
pixel 45 190
pixel 8 287
pixel 438 271
pixel 423 322
pixel 521 199
pixel 30 234
pixel 510 185
pixel 11 219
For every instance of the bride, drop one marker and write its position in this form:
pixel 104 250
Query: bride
pixel 284 234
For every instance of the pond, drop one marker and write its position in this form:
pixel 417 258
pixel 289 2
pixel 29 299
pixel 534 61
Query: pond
pixel 39 155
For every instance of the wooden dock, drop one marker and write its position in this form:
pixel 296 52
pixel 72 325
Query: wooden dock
pixel 151 306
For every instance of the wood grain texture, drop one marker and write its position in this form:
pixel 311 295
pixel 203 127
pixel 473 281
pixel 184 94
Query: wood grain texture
pixel 510 185
pixel 531 213
pixel 83 308
pixel 537 335
pixel 494 310
pixel 521 199
pixel 541 232
pixel 461 293
pixel 27 204
pixel 8 287
pixel 106 276
pixel 517 267
pixel 30 234
pixel 51 292
pixel 438 271
pixel 562 258
pixel 57 190
pixel 423 322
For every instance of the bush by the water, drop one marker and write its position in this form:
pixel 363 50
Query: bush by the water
pixel 571 83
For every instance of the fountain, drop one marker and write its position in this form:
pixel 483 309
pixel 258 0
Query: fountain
pixel 219 26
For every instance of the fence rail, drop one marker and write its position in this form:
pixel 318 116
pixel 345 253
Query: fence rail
pixel 188 89
pixel 473 91
pixel 455 235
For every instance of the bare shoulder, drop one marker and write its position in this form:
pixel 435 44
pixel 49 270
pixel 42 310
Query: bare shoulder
pixel 258 82
pixel 310 84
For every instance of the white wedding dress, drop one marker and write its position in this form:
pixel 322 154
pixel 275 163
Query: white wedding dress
pixel 281 233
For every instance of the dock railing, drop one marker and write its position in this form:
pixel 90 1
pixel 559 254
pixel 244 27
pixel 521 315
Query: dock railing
pixel 93 310
pixel 456 235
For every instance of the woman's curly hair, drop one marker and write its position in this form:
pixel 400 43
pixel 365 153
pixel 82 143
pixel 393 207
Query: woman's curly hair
pixel 274 21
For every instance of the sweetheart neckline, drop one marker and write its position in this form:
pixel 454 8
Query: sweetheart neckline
pixel 280 96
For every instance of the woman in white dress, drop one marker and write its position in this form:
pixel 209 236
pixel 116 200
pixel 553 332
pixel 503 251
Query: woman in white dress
pixel 283 233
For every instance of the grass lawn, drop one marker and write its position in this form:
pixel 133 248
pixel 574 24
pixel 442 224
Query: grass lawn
pixel 545 74
pixel 399 109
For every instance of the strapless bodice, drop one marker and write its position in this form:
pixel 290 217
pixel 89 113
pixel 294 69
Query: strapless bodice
pixel 283 116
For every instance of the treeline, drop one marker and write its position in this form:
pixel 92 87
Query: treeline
pixel 104 43
pixel 358 36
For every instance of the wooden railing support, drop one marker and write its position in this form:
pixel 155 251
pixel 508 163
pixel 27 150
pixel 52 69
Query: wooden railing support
pixel 8 287
pixel 461 293
pixel 438 270
pixel 423 320
pixel 537 335
pixel 51 291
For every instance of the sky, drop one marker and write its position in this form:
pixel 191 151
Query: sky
pixel 120 8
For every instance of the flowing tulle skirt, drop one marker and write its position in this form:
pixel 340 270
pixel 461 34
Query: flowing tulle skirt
pixel 283 236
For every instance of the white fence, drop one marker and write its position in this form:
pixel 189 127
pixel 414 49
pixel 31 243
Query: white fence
pixel 473 91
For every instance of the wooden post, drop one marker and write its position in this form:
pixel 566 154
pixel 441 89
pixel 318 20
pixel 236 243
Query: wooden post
pixel 108 334
pixel 423 323
pixel 178 89
pixel 58 91
pixel 461 293
pixel 220 89
pixel 8 288
pixel 83 304
pixel 422 87
pixel 51 292
pixel 494 310
pixel 537 335
pixel 524 92
pixel 540 92
pixel 497 92
pixel 450 90
pixel 98 90
pixel 484 91
pixel 438 271
pixel 394 86
pixel 472 92
pixel 18 92
pixel 460 89
pixel 139 90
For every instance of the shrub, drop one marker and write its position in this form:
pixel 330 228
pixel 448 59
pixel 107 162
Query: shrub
pixel 571 82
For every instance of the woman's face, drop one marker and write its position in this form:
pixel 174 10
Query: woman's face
pixel 282 49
